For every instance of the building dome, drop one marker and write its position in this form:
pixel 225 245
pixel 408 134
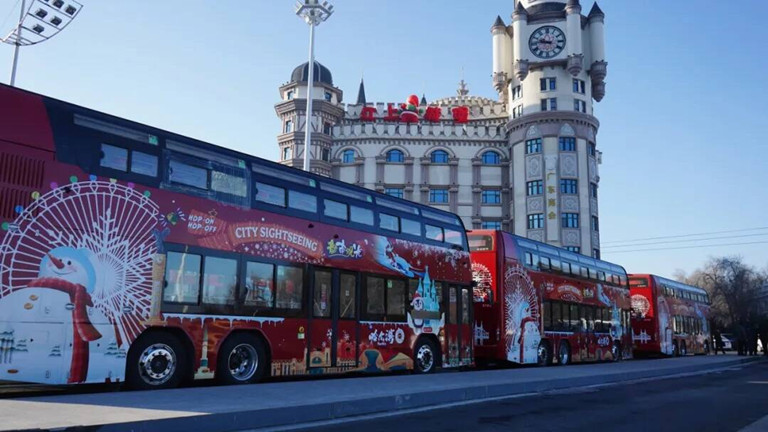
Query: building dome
pixel 320 74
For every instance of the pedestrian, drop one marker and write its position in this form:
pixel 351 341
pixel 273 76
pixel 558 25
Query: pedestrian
pixel 719 342
pixel 741 338
pixel 751 339
pixel 764 334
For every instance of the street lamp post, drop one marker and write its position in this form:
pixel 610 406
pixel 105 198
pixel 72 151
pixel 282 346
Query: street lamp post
pixel 42 20
pixel 313 13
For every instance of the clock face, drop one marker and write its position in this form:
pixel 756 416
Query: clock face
pixel 547 42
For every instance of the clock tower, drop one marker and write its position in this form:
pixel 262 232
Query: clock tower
pixel 549 69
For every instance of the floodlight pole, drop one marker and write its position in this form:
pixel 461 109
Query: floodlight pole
pixel 18 44
pixel 313 13
pixel 310 78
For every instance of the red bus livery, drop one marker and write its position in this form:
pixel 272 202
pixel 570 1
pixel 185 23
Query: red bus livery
pixel 536 303
pixel 131 253
pixel 668 317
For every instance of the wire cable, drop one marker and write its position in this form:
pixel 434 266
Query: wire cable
pixel 685 247
pixel 2 26
pixel 684 241
pixel 685 235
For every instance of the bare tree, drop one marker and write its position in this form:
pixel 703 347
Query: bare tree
pixel 733 287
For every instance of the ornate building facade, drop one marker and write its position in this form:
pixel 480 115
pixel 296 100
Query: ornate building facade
pixel 525 163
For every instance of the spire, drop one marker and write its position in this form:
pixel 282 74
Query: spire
pixel 596 12
pixel 361 93
pixel 573 3
pixel 499 22
pixel 462 90
pixel 423 100
pixel 520 9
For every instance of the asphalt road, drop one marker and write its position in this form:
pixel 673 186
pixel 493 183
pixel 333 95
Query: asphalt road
pixel 721 401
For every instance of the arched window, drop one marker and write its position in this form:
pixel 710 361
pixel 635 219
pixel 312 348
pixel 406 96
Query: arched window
pixel 395 156
pixel 348 156
pixel 491 158
pixel 439 156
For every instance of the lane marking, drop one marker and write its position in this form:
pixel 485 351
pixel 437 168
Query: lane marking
pixel 554 392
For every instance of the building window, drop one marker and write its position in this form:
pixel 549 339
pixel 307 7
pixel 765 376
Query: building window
pixel 517 92
pixel 551 102
pixel 439 156
pixel 533 146
pixel 289 95
pixel 326 154
pixel 492 196
pixel 596 253
pixel 328 96
pixel 327 128
pixel 395 156
pixel 570 220
pixel 573 249
pixel 567 144
pixel 536 221
pixel 288 126
pixel 547 84
pixel 578 86
pixel 535 187
pixel 593 190
pixel 569 186
pixel 517 111
pixel 439 196
pixel 492 225
pixel 287 153
pixel 595 224
pixel 592 149
pixel 395 192
pixel 491 158
pixel 348 156
pixel 579 105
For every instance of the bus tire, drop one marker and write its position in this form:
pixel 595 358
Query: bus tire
pixel 683 349
pixel 564 354
pixel 242 359
pixel 156 360
pixel 675 349
pixel 426 356
pixel 544 354
pixel 616 351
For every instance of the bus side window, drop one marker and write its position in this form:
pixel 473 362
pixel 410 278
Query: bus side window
pixel 219 281
pixel 590 318
pixel 182 278
pixel 374 297
pixel 575 323
pixel 290 283
pixel 452 305
pixel 347 295
pixel 321 304
pixel 557 316
pixel 259 285
pixel 465 301
pixel 546 313
pixel 395 300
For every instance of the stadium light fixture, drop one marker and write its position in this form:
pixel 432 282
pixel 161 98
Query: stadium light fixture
pixel 40 25
pixel 313 13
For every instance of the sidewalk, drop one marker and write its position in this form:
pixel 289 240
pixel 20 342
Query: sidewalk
pixel 283 403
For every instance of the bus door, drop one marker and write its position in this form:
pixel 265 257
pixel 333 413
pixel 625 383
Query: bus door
pixel 452 350
pixel 332 327
pixel 466 326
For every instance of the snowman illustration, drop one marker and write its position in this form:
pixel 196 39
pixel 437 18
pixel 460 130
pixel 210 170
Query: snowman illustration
pixel 60 294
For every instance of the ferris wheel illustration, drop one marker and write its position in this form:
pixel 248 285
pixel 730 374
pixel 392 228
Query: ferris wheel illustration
pixel 110 225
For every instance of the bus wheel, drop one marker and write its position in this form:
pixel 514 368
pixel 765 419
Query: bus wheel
pixel 426 357
pixel 155 361
pixel 563 354
pixel 683 349
pixel 616 351
pixel 675 349
pixel 544 354
pixel 242 360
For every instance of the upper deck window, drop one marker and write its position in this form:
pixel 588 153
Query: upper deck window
pixel 188 175
pixel 143 163
pixel 389 222
pixel 346 192
pixel 114 157
pixel 434 232
pixel 302 201
pixel 361 215
pixel 270 194
pixel 441 217
pixel 403 207
pixel 230 184
pixel 122 159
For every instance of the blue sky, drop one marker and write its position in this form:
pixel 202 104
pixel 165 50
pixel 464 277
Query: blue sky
pixel 682 124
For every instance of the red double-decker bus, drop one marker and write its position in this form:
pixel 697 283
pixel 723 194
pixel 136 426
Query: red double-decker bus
pixel 536 303
pixel 131 253
pixel 668 317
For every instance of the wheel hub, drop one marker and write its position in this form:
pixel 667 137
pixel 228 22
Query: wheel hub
pixel 243 362
pixel 157 364
pixel 425 358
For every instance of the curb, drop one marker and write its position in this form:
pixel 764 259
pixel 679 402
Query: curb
pixel 295 415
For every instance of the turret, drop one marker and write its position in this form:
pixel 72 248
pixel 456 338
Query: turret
pixel 573 31
pixel 519 18
pixel 501 53
pixel 599 67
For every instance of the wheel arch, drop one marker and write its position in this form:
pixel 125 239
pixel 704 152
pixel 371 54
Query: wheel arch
pixel 181 335
pixel 433 338
pixel 252 332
